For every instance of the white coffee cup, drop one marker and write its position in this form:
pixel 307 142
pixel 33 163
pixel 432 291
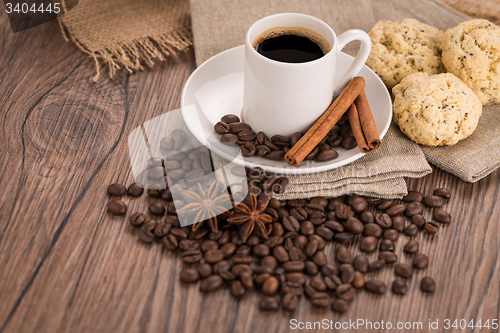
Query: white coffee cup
pixel 285 98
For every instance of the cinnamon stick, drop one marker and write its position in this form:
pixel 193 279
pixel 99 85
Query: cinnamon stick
pixel 367 121
pixel 325 123
pixel 354 120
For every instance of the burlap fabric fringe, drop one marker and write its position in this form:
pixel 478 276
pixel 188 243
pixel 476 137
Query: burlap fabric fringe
pixel 128 34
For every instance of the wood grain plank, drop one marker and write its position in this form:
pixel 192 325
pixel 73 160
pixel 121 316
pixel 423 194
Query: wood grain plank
pixel 67 265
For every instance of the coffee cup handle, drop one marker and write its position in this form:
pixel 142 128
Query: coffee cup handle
pixel 357 64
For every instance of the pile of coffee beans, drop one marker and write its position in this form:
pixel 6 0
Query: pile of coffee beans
pixel 234 132
pixel 290 261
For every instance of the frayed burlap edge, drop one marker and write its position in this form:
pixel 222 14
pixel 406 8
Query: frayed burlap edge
pixel 133 54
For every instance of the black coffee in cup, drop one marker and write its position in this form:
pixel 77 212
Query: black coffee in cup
pixel 292 45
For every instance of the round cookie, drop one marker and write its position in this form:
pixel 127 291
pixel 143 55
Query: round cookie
pixel 435 110
pixel 402 48
pixel 471 51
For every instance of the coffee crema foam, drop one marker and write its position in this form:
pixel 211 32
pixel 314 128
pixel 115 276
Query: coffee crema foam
pixel 301 32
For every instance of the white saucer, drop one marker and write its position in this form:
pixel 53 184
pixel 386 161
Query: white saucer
pixel 216 88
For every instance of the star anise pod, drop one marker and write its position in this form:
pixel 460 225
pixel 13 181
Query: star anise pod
pixel 204 205
pixel 249 215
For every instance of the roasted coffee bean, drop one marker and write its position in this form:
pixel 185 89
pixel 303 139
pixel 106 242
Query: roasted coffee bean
pixel 137 219
pixel 170 242
pixel 178 233
pixel 270 286
pixel 273 241
pixel 433 201
pixel 237 269
pixel 242 258
pixel 441 216
pixel 211 283
pixel 388 256
pixel 320 299
pixel 229 139
pixel 349 143
pixel 206 162
pixel 372 229
pixel 261 250
pixel 391 234
pixel 324 232
pixel 368 244
pixel 428 285
pixel 345 291
pixel 166 143
pixel 376 265
pixel 383 220
pixel 442 192
pixel 295 138
pixel 354 226
pixel 413 196
pixel 246 280
pixel 268 182
pixel 269 303
pixel 403 270
pixel 300 241
pixel 342 212
pixel 387 245
pixel 135 190
pixel 297 254
pixel 172 165
pixel 230 118
pixel 332 282
pixel 222 265
pixel 237 289
pixel 199 233
pixel 194 174
pixel 431 228
pixel 176 174
pixel 162 229
pixel 418 220
pixel 411 230
pixel 333 203
pixel 359 205
pixel 273 213
pixel 319 258
pixel 346 273
pixel 294 266
pixel 209 244
pixel 312 155
pixel 290 302
pixel 167 195
pixel 385 204
pixel 236 128
pixel 243 249
pixel 275 155
pixel 224 238
pixel 146 235
pixel 318 284
pixel 189 275
pixel 366 217
pixel 117 189
pixel 280 140
pixel 117 207
pixel 373 201
pixel 307 228
pixel 359 280
pixel 329 270
pixel 296 277
pixel 396 210
pixel 311 248
pixel 221 128
pixel 321 241
pixel 360 263
pixel 343 254
pixel 299 213
pixel 191 256
pixel 420 261
pixel 322 146
pixel 335 226
pixel 260 278
pixel 343 237
pixel 399 287
pixel 248 149
pixel 281 254
pixel 411 247
pixel 335 141
pixel 317 218
pixel 290 223
pixel 339 305
pixel 398 223
pixel 157 208
pixel 289 286
pixel 278 229
pixel 326 155
pixel 376 286
pixel 179 136
pixel 280 185
pixel 414 208
pixel 149 225
pixel 247 135
pixel 214 255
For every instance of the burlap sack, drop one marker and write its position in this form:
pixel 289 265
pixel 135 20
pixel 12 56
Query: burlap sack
pixel 127 33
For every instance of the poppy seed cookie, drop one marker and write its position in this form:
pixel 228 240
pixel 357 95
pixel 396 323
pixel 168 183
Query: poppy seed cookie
pixel 402 48
pixel 435 110
pixel 471 51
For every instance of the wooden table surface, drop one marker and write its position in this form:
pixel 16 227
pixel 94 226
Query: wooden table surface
pixel 67 265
